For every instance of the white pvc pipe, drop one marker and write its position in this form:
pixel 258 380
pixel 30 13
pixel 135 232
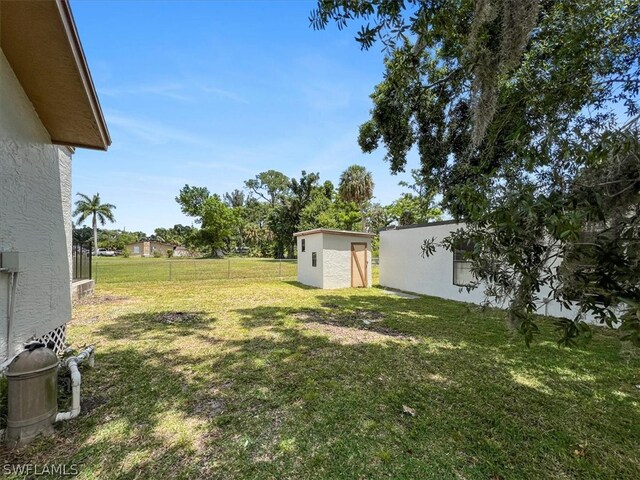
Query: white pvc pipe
pixel 11 308
pixel 72 363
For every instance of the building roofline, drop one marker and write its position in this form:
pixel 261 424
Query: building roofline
pixel 85 73
pixel 41 43
pixel 332 231
pixel 422 225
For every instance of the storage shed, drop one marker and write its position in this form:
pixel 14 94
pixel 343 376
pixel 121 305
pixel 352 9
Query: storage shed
pixel 334 258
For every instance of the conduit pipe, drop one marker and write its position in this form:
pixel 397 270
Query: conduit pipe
pixel 72 364
pixel 11 309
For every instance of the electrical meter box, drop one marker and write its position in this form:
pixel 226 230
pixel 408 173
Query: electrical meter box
pixel 10 261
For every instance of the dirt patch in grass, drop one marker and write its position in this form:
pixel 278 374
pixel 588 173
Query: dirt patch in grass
pixel 171 318
pixel 102 300
pixel 358 326
pixel 357 316
pixel 90 403
pixel 351 336
pixel 209 408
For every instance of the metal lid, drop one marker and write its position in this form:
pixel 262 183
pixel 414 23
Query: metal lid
pixel 32 361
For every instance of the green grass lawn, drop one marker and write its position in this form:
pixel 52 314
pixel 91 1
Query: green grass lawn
pixel 271 380
pixel 136 269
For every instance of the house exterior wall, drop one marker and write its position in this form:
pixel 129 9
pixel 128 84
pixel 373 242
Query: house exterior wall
pixel 336 265
pixel 35 217
pixel 146 249
pixel 307 273
pixel 135 249
pixel 403 267
pixel 159 247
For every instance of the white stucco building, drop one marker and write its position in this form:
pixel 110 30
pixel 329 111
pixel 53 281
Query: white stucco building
pixel 443 274
pixel 334 258
pixel 48 106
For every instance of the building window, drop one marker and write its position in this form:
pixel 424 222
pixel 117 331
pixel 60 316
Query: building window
pixel 462 275
pixel 314 259
pixel 302 244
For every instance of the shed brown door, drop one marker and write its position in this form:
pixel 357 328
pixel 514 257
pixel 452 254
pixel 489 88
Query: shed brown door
pixel 359 272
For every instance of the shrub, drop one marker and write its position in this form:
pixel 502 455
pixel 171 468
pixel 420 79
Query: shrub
pixel 126 253
pixel 157 254
pixel 170 253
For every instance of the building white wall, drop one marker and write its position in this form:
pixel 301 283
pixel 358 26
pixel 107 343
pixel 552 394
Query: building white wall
pixel 35 216
pixel 307 274
pixel 337 260
pixel 403 267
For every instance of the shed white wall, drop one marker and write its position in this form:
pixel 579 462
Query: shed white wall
pixel 336 260
pixel 307 274
pixel 403 267
pixel 35 216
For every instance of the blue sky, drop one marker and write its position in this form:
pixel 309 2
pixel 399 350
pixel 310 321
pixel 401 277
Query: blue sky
pixel 212 93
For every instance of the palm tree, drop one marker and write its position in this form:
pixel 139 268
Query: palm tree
pixel 356 185
pixel 91 207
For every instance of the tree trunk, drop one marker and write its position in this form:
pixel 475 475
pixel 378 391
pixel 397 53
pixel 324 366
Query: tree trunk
pixel 95 235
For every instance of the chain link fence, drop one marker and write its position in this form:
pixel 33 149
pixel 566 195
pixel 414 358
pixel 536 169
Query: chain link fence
pixel 123 270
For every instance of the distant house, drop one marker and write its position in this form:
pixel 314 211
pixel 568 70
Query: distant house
pixel 147 248
pixel 48 106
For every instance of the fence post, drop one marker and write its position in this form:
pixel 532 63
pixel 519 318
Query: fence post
pixel 169 269
pixel 96 270
pixel 280 269
pixel 228 268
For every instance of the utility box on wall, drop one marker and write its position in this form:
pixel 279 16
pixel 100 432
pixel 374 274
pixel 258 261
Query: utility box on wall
pixel 10 262
pixel 334 258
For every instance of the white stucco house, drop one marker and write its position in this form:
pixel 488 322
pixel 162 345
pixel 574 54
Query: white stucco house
pixel 334 258
pixel 443 274
pixel 48 106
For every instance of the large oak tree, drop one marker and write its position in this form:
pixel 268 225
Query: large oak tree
pixel 525 117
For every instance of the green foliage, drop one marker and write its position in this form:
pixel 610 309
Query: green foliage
pixel 524 115
pixel 277 207
pixel 117 239
pixel 157 254
pixel 284 220
pixel 324 211
pixel 356 185
pixel 218 224
pixel 81 235
pixel 192 200
pixel 176 235
pixel 268 185
pixel 235 199
pixel 410 209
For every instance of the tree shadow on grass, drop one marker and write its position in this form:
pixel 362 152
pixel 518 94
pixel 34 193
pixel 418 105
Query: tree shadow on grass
pixel 289 402
pixel 496 406
pixel 297 284
pixel 156 324
pixel 126 399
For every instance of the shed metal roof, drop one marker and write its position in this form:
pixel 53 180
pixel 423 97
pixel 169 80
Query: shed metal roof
pixel 331 231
